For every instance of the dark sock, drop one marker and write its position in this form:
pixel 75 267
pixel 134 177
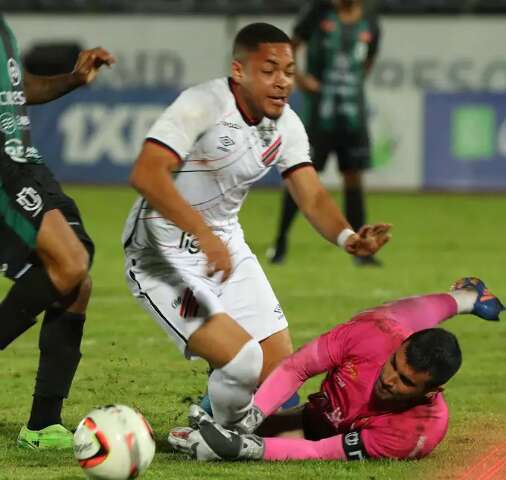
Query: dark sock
pixel 59 342
pixel 288 212
pixel 45 411
pixel 33 293
pixel 354 207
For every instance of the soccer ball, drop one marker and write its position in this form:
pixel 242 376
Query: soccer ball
pixel 114 442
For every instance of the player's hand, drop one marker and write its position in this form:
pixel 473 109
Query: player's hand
pixel 308 83
pixel 368 240
pixel 218 256
pixel 89 62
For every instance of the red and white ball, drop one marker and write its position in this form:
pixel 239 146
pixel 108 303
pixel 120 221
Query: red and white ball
pixel 114 442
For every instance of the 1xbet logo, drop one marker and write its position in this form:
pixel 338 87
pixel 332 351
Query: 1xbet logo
pixel 189 242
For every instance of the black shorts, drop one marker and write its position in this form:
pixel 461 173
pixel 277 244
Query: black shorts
pixel 352 149
pixel 27 191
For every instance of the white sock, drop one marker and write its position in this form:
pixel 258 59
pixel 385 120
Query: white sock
pixel 465 299
pixel 231 387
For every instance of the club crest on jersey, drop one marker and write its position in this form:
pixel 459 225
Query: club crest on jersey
pixel 30 200
pixel 14 72
pixel 266 133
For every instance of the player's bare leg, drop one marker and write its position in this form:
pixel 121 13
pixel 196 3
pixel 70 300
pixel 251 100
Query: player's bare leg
pixel 61 252
pixel 66 265
pixel 237 361
pixel 275 348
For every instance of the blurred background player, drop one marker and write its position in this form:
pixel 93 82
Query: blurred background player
pixel 187 262
pixel 341 46
pixel 382 396
pixel 44 247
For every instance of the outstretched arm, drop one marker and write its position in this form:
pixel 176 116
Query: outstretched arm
pixel 419 313
pixel 467 295
pixel 323 213
pixel 42 89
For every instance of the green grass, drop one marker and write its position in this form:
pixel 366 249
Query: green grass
pixel 127 359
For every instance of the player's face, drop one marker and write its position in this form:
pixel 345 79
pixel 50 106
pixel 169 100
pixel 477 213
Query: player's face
pixel 398 381
pixel 266 79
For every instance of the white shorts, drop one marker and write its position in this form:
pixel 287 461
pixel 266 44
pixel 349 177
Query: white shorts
pixel 180 297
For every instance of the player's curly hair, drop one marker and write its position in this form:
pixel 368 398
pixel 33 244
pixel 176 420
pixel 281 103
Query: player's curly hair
pixel 435 351
pixel 252 35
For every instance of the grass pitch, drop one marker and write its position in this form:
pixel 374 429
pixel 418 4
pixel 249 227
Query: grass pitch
pixel 127 359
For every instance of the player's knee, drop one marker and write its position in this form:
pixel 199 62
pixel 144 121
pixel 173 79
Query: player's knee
pixel 246 366
pixel 74 270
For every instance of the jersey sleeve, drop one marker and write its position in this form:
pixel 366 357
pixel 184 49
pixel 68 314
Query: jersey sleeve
pixel 309 18
pixel 185 120
pixel 295 152
pixel 318 356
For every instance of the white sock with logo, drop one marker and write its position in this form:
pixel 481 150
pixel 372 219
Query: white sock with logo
pixel 231 387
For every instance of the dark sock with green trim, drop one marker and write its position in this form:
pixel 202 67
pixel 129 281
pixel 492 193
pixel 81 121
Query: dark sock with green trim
pixel 33 293
pixel 60 352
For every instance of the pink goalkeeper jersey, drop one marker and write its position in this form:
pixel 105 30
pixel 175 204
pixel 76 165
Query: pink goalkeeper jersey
pixel 353 355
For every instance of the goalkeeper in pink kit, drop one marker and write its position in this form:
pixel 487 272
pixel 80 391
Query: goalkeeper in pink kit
pixel 382 396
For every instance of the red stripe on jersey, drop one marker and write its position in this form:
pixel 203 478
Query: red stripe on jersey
pixel 274 145
pixel 194 309
pixel 268 160
pixel 186 297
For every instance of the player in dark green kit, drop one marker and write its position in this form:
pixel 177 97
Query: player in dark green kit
pixel 341 45
pixel 44 247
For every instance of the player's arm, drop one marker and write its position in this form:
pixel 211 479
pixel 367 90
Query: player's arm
pixel 42 89
pixel 305 81
pixel 308 19
pixel 372 52
pixel 322 212
pixel 151 176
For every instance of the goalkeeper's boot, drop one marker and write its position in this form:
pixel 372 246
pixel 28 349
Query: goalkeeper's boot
pixel 54 437
pixel 487 305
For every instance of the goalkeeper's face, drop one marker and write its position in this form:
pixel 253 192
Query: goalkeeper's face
pixel 265 78
pixel 398 382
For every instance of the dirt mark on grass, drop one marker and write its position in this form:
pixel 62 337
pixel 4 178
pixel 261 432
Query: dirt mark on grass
pixel 478 453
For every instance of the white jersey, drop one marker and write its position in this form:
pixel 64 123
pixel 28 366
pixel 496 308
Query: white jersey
pixel 222 154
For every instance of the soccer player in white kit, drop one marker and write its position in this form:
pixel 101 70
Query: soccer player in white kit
pixel 187 262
